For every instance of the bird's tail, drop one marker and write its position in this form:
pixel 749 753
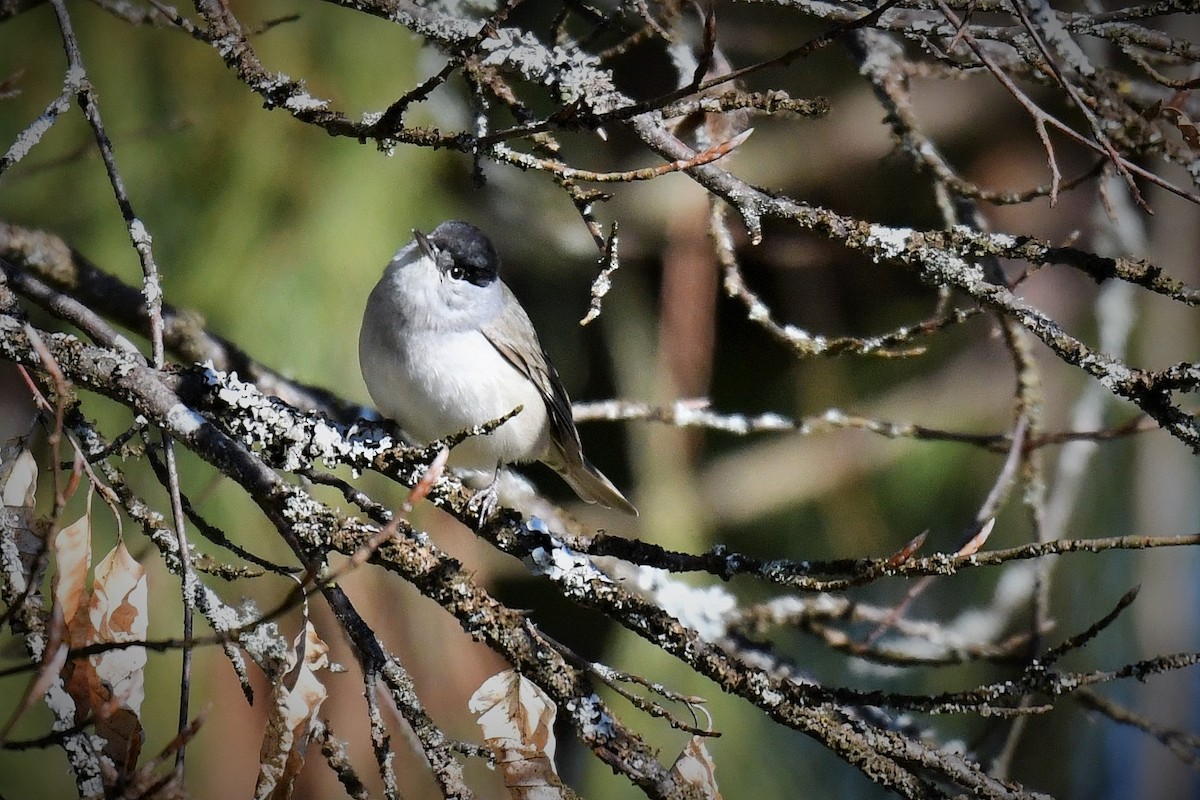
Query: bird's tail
pixel 591 486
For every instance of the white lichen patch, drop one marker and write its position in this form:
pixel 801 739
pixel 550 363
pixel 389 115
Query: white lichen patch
pixel 594 721
pixel 805 342
pixel 696 414
pixel 888 242
pixel 183 421
pixel 264 642
pixel 576 75
pixel 138 232
pixel 299 439
pixel 757 311
pixel 573 570
pixel 306 516
pixel 760 685
pixel 227 45
pixel 29 137
pixel 705 610
pixel 300 101
pixel 76 75
pixel 1005 241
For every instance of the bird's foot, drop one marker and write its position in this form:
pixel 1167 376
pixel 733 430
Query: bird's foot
pixel 483 504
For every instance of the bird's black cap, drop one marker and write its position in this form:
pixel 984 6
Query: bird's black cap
pixel 461 244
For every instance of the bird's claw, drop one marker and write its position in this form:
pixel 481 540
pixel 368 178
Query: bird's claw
pixel 484 502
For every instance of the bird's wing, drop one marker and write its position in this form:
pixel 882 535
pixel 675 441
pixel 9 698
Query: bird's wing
pixel 513 336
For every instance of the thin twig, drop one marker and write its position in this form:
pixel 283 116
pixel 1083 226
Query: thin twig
pixel 152 291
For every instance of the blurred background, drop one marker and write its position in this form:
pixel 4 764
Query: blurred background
pixel 275 232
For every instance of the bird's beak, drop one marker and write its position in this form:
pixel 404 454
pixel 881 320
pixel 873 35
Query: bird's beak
pixel 425 245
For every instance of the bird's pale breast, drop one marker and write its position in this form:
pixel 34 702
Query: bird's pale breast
pixel 438 384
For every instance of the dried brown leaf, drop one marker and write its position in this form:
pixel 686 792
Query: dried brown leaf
pixel 72 559
pixel 119 613
pixel 695 767
pixel 21 482
pixel 18 486
pixel 517 719
pixel 297 700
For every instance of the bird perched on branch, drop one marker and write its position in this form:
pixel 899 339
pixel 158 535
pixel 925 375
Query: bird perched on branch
pixel 445 346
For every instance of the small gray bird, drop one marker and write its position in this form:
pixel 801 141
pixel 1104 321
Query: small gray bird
pixel 445 346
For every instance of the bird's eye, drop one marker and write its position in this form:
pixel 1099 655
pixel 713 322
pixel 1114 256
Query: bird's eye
pixel 457 273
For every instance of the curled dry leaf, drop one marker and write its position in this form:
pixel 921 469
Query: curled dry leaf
pixel 695 767
pixel 517 719
pixel 72 560
pixel 1187 127
pixel 297 700
pixel 72 604
pixel 20 482
pixel 118 612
